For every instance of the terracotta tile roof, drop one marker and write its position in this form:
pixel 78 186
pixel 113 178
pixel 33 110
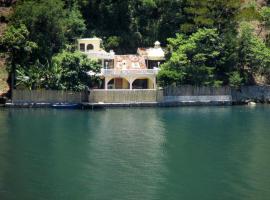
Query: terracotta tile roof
pixel 155 53
pixel 142 51
pixel 129 62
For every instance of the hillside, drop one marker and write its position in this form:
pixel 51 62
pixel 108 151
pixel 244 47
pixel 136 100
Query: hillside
pixel 52 25
pixel 5 10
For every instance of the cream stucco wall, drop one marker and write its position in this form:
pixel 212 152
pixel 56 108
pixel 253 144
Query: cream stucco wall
pixel 128 80
pixel 150 84
pixel 96 42
pixel 125 84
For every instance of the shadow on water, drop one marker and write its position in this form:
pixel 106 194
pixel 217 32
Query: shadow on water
pixel 175 153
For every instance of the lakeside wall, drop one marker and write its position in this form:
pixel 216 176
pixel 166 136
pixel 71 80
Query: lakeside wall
pixel 125 96
pixel 180 95
pixel 251 93
pixel 226 94
pixel 195 94
pixel 48 96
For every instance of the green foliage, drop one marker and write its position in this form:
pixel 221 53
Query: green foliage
pixel 254 55
pixel 265 16
pixel 168 76
pixel 112 42
pixel 194 60
pixel 249 12
pixel 218 14
pixel 68 71
pixel 16 43
pixel 235 79
pixel 50 26
pixel 75 25
pixel 208 52
pixel 265 20
pixel 137 23
pixel 32 76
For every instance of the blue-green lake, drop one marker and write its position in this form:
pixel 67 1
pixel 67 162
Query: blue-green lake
pixel 189 153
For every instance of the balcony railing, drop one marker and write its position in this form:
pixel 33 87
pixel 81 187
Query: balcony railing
pixel 129 71
pixel 99 55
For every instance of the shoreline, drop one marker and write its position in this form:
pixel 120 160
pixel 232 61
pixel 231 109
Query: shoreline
pixel 92 106
pixel 185 95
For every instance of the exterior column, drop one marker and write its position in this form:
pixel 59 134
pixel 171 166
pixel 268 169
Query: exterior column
pixel 106 83
pixel 130 83
pixel 155 83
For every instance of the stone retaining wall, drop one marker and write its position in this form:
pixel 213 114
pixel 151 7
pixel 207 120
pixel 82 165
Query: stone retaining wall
pixel 195 94
pixel 48 96
pixel 189 90
pixel 181 94
pixel 218 98
pixel 251 93
pixel 125 96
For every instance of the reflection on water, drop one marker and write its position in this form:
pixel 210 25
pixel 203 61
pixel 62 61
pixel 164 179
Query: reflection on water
pixel 176 153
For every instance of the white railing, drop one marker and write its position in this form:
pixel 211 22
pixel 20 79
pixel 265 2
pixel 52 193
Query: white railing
pixel 99 55
pixel 129 71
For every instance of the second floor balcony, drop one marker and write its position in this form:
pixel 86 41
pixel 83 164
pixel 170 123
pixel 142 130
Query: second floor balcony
pixel 123 72
pixel 100 55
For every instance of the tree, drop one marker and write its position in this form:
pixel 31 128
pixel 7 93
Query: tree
pixel 217 14
pixel 50 26
pixel 16 43
pixel 69 71
pixel 194 60
pixel 109 18
pixel 75 25
pixel 235 79
pixel 254 55
pixel 155 20
pixel 265 20
pixel 125 25
pixel 19 48
pixel 32 76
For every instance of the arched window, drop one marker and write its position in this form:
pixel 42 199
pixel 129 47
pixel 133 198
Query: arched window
pixel 82 47
pixel 90 47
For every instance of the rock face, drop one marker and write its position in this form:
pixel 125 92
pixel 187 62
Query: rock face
pixel 251 94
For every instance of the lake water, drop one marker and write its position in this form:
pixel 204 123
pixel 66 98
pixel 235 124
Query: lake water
pixel 184 153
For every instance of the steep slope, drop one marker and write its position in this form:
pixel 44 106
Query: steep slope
pixel 5 11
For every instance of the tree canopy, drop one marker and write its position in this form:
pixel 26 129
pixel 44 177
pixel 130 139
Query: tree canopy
pixel 194 60
pixel 208 41
pixel 50 25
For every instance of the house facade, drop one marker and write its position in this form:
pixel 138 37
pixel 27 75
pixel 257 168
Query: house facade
pixel 137 71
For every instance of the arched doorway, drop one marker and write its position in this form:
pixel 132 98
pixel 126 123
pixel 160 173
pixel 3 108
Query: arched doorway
pixel 143 83
pixel 118 83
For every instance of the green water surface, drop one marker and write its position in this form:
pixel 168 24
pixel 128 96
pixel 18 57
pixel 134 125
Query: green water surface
pixel 189 153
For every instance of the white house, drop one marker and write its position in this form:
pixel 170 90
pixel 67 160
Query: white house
pixel 136 71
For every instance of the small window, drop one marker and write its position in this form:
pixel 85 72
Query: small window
pixel 82 47
pixel 90 47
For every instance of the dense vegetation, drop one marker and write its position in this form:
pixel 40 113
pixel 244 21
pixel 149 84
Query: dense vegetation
pixel 208 42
